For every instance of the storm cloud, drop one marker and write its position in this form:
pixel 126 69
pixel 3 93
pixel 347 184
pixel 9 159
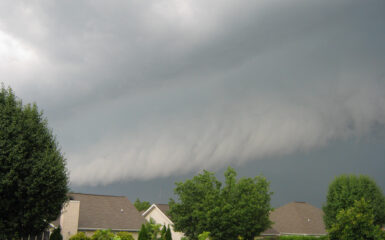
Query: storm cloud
pixel 148 89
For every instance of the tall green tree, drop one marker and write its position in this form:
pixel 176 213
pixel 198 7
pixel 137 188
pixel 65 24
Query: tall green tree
pixel 167 235
pixel 240 208
pixel 33 176
pixel 345 190
pixel 143 233
pixel 141 205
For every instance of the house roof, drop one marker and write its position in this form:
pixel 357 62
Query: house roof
pixel 107 212
pixel 164 208
pixel 299 218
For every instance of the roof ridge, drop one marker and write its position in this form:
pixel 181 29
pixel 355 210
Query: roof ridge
pixel 94 194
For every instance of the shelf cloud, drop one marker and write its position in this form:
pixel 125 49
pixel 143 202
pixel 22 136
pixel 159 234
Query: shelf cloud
pixel 138 90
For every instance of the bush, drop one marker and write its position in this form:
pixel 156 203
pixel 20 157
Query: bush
pixel 80 236
pixel 125 236
pixel 56 235
pixel 104 234
pixel 303 237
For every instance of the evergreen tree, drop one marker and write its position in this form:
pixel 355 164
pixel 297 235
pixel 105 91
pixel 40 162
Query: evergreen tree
pixel 167 236
pixel 56 234
pixel 143 233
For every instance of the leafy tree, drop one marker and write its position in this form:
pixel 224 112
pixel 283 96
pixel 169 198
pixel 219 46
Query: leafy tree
pixel 104 234
pixel 33 176
pixel 56 235
pixel 141 206
pixel 356 223
pixel 80 236
pixel 240 208
pixel 345 190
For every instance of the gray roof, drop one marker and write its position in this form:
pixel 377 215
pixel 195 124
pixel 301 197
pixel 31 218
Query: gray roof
pixel 297 218
pixel 107 212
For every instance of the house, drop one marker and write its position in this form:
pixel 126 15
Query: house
pixel 89 212
pixel 296 218
pixel 159 213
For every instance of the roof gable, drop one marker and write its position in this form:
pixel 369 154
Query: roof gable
pixel 107 212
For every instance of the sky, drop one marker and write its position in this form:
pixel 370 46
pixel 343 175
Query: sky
pixel 141 94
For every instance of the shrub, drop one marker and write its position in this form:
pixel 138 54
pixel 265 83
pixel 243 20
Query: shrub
pixel 56 235
pixel 80 236
pixel 104 234
pixel 125 236
pixel 303 237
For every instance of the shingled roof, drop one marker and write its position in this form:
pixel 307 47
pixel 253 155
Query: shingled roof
pixel 296 218
pixel 107 212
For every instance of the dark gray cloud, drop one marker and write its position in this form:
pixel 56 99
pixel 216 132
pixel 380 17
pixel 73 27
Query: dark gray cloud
pixel 137 90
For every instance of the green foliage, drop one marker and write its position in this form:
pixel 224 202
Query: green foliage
pixel 33 176
pixel 125 236
pixel 80 236
pixel 355 223
pixel 303 238
pixel 168 236
pixel 152 231
pixel 104 234
pixel 141 206
pixel 56 235
pixel 240 208
pixel 345 190
pixel 143 233
pixel 163 231
pixel 204 236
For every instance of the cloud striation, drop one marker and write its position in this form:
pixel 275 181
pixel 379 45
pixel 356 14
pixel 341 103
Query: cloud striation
pixel 149 89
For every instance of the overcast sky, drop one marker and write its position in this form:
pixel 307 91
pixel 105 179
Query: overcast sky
pixel 141 94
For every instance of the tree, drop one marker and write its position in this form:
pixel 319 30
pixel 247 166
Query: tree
pixel 345 190
pixel 56 235
pixel 167 235
pixel 240 208
pixel 33 176
pixel 143 233
pixel 356 223
pixel 141 206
